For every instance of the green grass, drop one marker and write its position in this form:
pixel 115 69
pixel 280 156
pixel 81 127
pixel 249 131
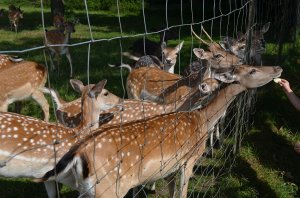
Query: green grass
pixel 266 166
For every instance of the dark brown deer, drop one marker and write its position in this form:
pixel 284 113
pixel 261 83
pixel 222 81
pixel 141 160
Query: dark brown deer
pixel 14 16
pixel 238 46
pixel 113 160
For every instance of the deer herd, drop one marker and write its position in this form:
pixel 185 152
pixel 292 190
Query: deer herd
pixel 102 145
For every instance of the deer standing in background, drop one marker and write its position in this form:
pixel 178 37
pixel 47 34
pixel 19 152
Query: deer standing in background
pixel 113 160
pixel 29 147
pixel 29 80
pixel 60 37
pixel 14 16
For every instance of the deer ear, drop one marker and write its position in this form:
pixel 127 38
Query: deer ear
pixel 163 45
pixel 179 46
pixel 266 27
pixel 201 54
pixel 226 77
pixel 97 89
pixel 77 85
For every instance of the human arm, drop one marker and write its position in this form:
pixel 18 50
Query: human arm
pixel 295 100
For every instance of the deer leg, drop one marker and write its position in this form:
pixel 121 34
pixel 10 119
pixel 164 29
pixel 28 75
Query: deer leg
pixel 51 55
pixel 186 171
pixel 171 185
pixel 39 97
pixel 4 107
pixel 16 27
pixel 51 188
pixel 18 107
pixel 70 61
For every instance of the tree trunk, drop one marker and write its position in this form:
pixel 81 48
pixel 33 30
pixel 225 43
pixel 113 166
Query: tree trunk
pixel 57 8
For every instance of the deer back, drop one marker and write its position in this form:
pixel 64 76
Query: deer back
pixel 151 80
pixel 28 77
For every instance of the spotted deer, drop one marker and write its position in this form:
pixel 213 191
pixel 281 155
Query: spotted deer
pixel 30 147
pixel 60 38
pixel 30 78
pixel 159 86
pixel 238 46
pixel 113 160
pixel 218 54
pixel 14 16
pixel 69 113
pixel 7 60
pixel 165 61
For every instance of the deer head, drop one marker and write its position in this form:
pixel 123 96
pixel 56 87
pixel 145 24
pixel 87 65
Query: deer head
pixel 220 59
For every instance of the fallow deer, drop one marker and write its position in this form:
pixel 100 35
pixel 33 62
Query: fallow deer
pixel 29 80
pixel 7 60
pixel 238 46
pixel 14 16
pixel 60 38
pixel 218 53
pixel 113 160
pixel 166 61
pixel 30 147
pixel 69 113
pixel 165 88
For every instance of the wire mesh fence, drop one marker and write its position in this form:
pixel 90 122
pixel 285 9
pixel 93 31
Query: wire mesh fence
pixel 143 143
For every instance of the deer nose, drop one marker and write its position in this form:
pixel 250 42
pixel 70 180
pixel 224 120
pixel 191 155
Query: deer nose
pixel 168 60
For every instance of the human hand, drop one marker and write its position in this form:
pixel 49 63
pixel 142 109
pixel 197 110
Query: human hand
pixel 285 85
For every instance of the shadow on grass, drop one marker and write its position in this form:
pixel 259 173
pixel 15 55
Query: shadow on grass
pixel 10 188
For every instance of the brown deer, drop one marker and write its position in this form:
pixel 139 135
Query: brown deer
pixel 69 113
pixel 60 38
pixel 29 80
pixel 113 160
pixel 159 86
pixel 165 61
pixel 30 147
pixel 7 60
pixel 14 16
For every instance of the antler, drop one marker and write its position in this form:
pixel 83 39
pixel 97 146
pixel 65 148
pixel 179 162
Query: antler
pixel 198 37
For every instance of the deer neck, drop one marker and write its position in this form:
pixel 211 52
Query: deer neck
pixel 184 103
pixel 90 117
pixel 217 107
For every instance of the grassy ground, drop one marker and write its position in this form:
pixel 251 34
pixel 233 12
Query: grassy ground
pixel 267 166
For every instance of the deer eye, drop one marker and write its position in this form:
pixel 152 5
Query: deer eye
pixel 105 94
pixel 219 56
pixel 253 71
